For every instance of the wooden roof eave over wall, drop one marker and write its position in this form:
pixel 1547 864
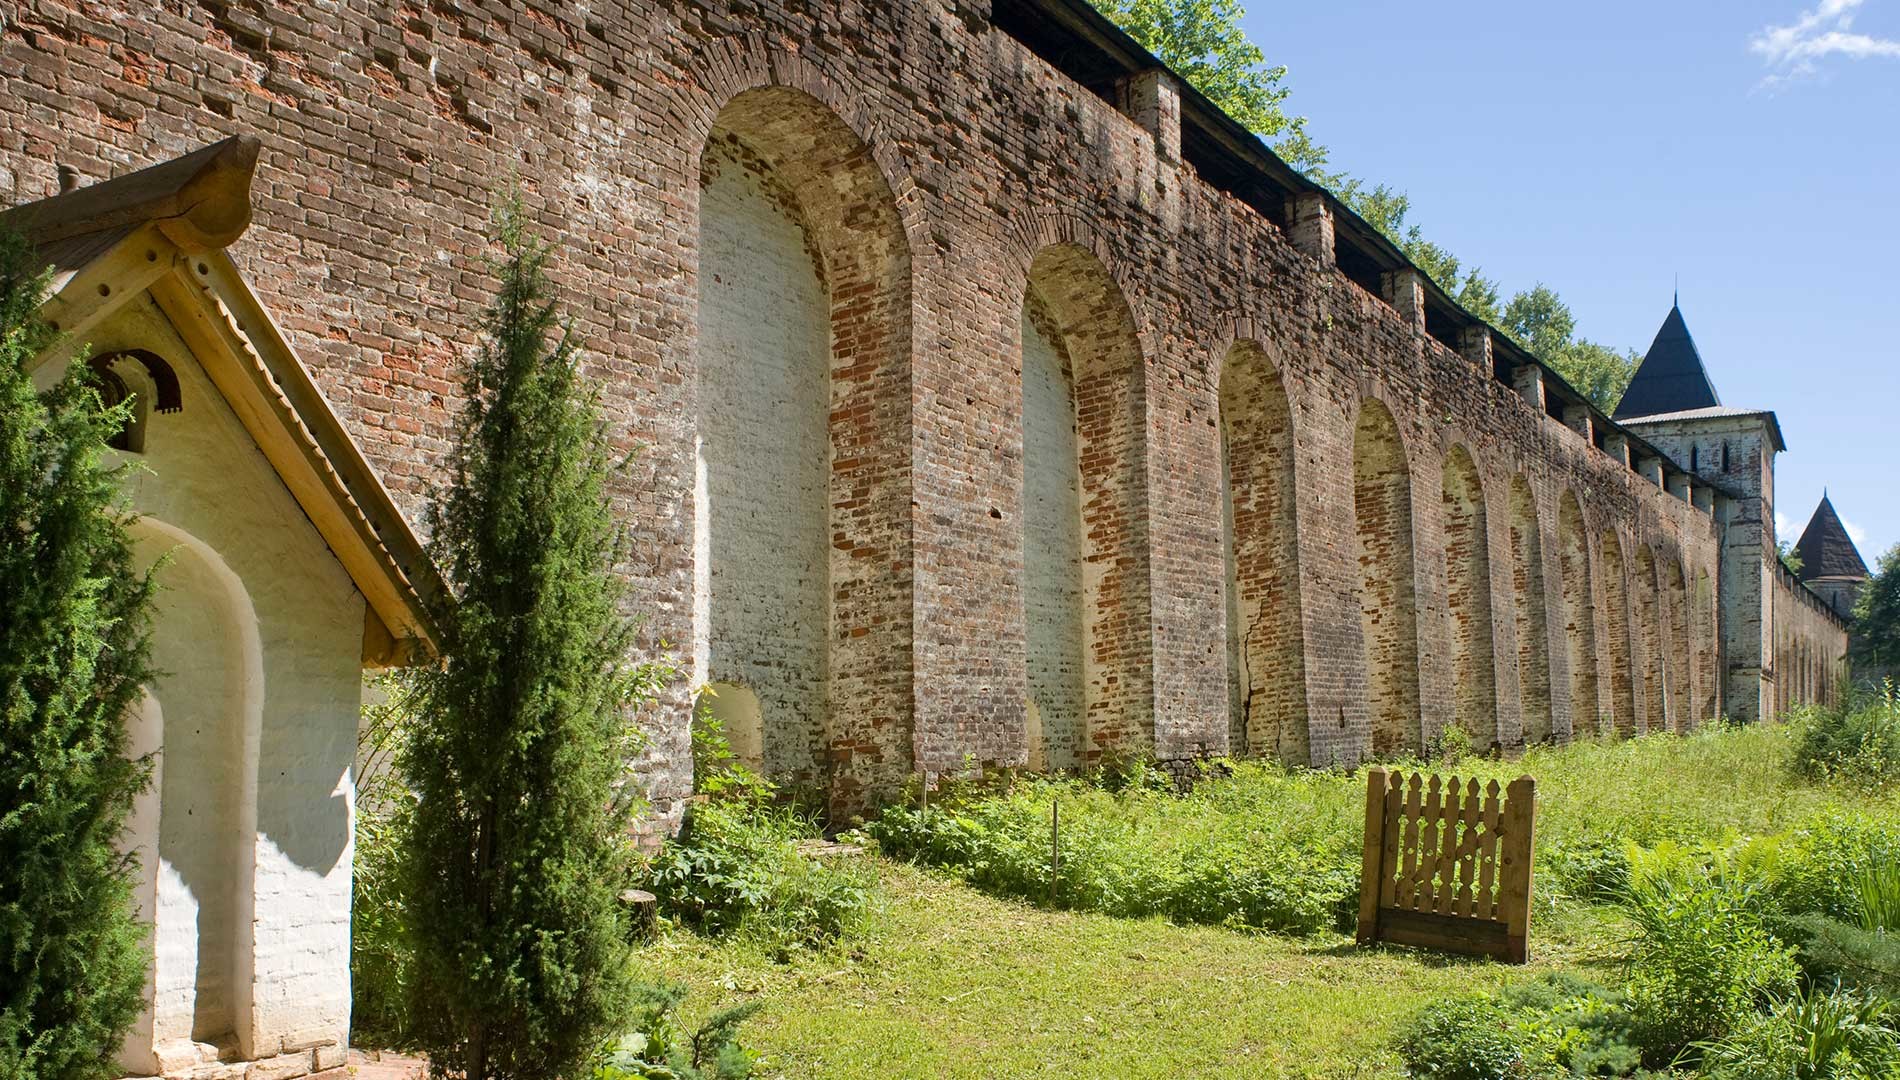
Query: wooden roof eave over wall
pixel 268 389
pixel 254 368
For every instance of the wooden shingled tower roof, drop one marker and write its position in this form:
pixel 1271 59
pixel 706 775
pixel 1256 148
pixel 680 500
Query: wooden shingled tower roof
pixel 1825 548
pixel 1671 378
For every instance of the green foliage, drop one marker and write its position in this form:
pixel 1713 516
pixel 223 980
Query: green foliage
pixel 717 772
pixel 1267 849
pixel 1593 870
pixel 1790 558
pixel 1877 616
pixel 1703 960
pixel 1559 1026
pixel 75 615
pixel 1202 40
pixel 1472 1038
pixel 661 1048
pixel 736 867
pixel 1819 1035
pixel 1879 888
pixel 737 864
pixel 1540 321
pixel 1817 866
pixel 382 968
pixel 1835 953
pixel 517 845
pixel 1856 742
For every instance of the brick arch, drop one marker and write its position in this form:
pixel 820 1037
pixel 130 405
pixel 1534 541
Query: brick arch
pixel 1578 617
pixel 1073 306
pixel 1035 231
pixel 1702 604
pixel 1619 624
pixel 1679 673
pixel 1529 612
pixel 1260 527
pixel 724 69
pixel 1646 599
pixel 1468 614
pixel 803 431
pixel 1385 546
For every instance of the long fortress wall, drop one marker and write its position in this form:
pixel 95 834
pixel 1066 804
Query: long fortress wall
pixel 995 401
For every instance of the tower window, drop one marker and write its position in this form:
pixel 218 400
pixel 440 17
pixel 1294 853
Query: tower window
pixel 1695 458
pixel 1724 455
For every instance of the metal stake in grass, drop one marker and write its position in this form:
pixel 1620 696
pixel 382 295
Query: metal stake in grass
pixel 1055 850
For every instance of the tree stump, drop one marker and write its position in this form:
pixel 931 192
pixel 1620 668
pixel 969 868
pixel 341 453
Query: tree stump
pixel 643 914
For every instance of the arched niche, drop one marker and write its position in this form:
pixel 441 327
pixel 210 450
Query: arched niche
pixel 1680 674
pixel 1265 651
pixel 1085 551
pixel 1617 620
pixel 1468 599
pixel 1528 608
pixel 1646 593
pixel 1579 617
pixel 802 446
pixel 203 714
pixel 1383 548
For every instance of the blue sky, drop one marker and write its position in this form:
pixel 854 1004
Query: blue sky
pixel 1606 147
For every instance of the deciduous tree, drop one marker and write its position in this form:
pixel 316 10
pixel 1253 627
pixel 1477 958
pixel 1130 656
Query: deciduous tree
pixel 1877 618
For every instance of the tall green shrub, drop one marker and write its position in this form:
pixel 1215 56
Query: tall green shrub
pixel 74 625
pixel 517 847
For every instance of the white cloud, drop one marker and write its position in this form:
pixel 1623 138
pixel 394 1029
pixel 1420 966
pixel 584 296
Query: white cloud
pixel 1796 50
pixel 1782 524
pixel 1855 533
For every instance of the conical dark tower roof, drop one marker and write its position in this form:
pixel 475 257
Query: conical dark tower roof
pixel 1671 378
pixel 1825 548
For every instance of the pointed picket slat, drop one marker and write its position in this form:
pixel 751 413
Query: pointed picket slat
pixel 1471 851
pixel 1408 874
pixel 1394 822
pixel 1444 888
pixel 1487 875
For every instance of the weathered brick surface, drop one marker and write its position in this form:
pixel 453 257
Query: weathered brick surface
pixel 940 172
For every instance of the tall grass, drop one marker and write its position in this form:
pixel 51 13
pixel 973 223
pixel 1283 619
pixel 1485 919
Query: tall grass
pixel 1879 888
pixel 1277 849
pixel 1266 848
pixel 1856 742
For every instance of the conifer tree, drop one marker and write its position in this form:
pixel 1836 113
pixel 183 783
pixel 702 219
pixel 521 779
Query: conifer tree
pixel 74 626
pixel 518 845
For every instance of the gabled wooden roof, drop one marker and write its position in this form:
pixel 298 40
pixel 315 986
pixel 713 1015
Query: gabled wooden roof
pixel 163 231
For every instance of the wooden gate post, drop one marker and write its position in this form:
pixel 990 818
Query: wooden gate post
pixel 1373 861
pixel 1514 898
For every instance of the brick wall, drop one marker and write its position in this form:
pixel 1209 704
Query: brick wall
pixel 937 168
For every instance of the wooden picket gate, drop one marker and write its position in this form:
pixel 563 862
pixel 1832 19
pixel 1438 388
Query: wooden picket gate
pixel 1448 864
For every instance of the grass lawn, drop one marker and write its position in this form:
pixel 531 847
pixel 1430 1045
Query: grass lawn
pixel 946 981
